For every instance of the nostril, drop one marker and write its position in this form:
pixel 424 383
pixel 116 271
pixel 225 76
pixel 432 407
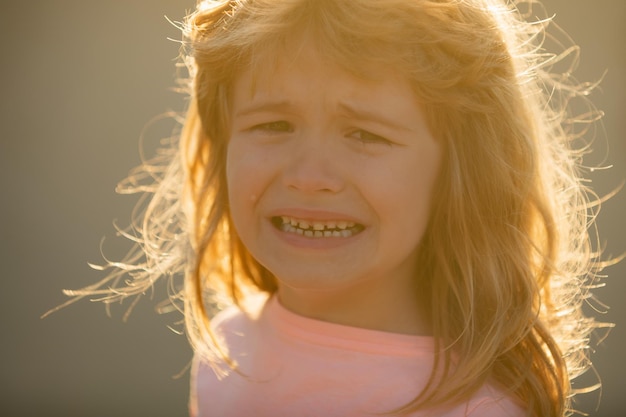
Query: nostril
pixel 316 182
pixel 313 171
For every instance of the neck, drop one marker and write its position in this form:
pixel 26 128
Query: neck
pixel 394 310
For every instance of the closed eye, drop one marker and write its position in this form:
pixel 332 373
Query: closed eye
pixel 369 138
pixel 279 126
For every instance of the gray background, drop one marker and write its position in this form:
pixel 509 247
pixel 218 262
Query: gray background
pixel 80 79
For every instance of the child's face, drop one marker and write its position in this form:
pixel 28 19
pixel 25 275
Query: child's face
pixel 330 176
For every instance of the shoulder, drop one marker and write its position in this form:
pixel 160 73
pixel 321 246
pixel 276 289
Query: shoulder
pixel 235 327
pixel 490 402
pixel 235 330
pixel 487 402
pixel 238 325
pixel 239 317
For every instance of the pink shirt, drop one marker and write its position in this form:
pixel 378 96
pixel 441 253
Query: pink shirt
pixel 297 366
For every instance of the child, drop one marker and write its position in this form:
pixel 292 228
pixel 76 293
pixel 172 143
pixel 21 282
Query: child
pixel 383 202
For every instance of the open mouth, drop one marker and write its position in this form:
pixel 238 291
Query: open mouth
pixel 317 229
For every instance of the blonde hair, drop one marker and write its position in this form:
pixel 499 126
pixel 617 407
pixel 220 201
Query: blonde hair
pixel 507 259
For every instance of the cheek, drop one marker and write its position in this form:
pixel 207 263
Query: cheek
pixel 246 179
pixel 408 194
pixel 239 189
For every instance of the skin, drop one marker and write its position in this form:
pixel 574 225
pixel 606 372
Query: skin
pixel 311 143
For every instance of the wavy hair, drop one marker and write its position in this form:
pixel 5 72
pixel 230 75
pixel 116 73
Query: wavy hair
pixel 507 259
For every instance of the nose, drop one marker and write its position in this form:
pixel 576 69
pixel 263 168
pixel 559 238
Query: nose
pixel 313 167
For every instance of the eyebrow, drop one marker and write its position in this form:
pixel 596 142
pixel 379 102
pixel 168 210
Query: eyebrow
pixel 345 109
pixel 265 106
pixel 367 115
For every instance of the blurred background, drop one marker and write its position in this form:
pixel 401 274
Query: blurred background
pixel 79 82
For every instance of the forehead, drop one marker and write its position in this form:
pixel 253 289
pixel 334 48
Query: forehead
pixel 305 53
pixel 312 88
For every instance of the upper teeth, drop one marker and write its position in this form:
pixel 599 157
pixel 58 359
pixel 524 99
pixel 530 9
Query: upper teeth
pixel 317 225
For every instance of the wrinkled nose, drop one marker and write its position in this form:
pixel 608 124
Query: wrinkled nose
pixel 313 167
